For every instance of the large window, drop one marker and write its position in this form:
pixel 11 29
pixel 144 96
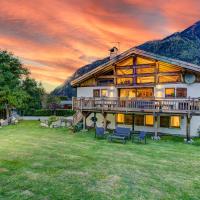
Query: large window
pixel 169 79
pixel 145 92
pixel 178 92
pixel 139 120
pixel 124 81
pixel 145 70
pixel 124 71
pixel 169 92
pixel 149 120
pixel 145 79
pixel 124 119
pixel 181 92
pixel 170 121
pixel 131 93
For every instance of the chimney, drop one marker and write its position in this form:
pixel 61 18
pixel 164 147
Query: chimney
pixel 113 52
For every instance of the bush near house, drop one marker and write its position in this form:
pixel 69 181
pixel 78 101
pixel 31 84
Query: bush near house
pixel 49 112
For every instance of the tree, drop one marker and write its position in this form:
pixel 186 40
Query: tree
pixel 12 74
pixel 53 102
pixel 35 93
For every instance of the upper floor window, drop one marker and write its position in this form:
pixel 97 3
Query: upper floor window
pixel 145 70
pixel 169 92
pixel 169 78
pixel 104 93
pixel 178 92
pixel 181 92
pixel 145 79
pixel 96 93
pixel 124 81
pixel 124 71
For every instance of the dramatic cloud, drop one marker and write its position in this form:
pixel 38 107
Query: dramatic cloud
pixel 54 38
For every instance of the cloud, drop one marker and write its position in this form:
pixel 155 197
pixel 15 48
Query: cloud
pixel 54 38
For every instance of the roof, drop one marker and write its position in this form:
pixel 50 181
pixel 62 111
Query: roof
pixel 135 51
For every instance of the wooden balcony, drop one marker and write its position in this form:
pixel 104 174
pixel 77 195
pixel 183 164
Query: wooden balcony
pixel 130 105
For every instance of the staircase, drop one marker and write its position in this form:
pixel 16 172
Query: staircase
pixel 77 117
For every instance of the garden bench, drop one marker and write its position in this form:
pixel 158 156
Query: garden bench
pixel 121 134
pixel 118 138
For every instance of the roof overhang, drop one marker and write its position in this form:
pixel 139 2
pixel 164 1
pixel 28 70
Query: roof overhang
pixel 132 52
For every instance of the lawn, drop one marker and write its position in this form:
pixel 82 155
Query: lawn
pixel 40 163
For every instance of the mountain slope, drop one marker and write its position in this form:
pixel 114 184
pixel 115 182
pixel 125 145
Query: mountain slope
pixel 183 45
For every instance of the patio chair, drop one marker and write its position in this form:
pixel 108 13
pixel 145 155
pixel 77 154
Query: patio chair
pixel 100 132
pixel 140 137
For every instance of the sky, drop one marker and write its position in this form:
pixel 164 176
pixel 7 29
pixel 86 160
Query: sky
pixel 53 38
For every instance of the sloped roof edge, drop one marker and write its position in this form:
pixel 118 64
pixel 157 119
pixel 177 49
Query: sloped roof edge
pixel 137 52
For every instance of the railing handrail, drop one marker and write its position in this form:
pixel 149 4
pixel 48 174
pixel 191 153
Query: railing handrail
pixel 131 104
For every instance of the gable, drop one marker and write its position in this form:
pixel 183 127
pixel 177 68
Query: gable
pixel 140 61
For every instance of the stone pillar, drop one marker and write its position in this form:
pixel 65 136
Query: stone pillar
pixel 156 122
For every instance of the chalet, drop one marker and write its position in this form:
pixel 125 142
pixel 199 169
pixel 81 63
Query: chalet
pixel 143 91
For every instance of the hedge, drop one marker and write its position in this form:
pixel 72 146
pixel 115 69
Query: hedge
pixel 48 112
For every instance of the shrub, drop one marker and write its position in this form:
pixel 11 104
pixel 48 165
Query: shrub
pixel 48 112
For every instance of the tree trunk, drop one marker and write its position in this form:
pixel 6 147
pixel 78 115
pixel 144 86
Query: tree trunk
pixel 7 111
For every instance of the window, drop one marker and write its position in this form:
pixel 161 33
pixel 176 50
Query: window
pixel 145 70
pixel 96 93
pixel 169 79
pixel 164 121
pixel 169 92
pixel 170 121
pixel 124 119
pixel 139 120
pixel 181 92
pixel 128 93
pixel 145 92
pixel 164 67
pixel 120 118
pixel 105 82
pixel 149 120
pixel 124 81
pixel 175 121
pixel 104 93
pixel 145 79
pixel 124 71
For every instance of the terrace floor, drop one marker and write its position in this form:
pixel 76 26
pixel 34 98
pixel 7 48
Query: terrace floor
pixel 39 163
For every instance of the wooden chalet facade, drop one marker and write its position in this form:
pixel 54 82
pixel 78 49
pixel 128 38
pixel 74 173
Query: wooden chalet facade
pixel 142 91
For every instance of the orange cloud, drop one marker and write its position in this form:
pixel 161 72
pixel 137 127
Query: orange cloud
pixel 54 38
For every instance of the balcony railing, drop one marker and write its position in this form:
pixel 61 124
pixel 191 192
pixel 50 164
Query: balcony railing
pixel 129 105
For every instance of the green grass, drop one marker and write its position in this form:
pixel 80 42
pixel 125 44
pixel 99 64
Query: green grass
pixel 40 163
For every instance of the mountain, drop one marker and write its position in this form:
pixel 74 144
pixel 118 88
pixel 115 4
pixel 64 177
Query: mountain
pixel 66 89
pixel 183 45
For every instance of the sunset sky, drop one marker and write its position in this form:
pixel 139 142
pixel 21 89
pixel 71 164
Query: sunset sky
pixel 55 37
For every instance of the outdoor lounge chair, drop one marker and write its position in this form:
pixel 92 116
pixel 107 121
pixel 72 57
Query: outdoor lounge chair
pixel 120 134
pixel 140 137
pixel 100 132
